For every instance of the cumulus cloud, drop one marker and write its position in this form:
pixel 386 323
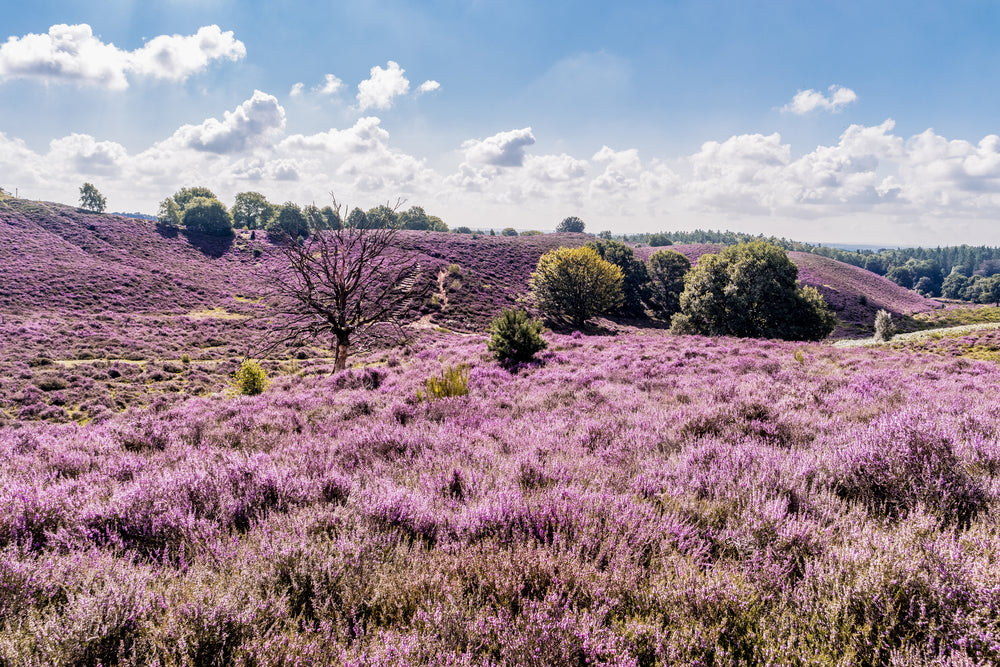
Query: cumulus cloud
pixel 504 149
pixel 297 89
pixel 428 87
pixel 72 54
pixel 247 125
pixel 330 85
pixel 807 101
pixel 383 86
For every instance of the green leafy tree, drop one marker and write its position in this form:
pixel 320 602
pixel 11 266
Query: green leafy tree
pixel 571 224
pixel 508 231
pixel 169 214
pixel 462 230
pixel 989 290
pixel 184 196
pixel 634 274
pixel 666 280
pixel 436 224
pixel 515 337
pixel 251 210
pixel 751 290
pixel 576 284
pixel 414 218
pixel 658 240
pixel 381 217
pixel 356 219
pixel 288 223
pixel 207 216
pixel 954 285
pixel 606 234
pixel 91 199
pixel 901 275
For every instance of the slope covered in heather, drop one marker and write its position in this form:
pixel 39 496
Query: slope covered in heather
pixel 638 499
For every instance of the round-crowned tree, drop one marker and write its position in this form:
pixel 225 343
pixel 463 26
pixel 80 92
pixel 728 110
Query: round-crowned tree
pixel 575 284
pixel 634 274
pixel 207 216
pixel 290 222
pixel 751 290
pixel 571 224
pixel 251 210
pixel 667 269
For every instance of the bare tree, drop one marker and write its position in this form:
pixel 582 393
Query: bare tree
pixel 341 282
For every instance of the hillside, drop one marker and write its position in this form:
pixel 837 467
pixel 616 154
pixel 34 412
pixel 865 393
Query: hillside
pixel 639 499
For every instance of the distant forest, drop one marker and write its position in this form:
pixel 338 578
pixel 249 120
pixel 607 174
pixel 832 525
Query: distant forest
pixel 930 271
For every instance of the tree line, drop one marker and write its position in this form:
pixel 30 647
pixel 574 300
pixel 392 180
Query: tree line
pixel 955 272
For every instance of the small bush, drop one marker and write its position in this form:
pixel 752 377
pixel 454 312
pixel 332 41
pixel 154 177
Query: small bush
pixel 251 378
pixel 884 328
pixel 515 337
pixel 453 381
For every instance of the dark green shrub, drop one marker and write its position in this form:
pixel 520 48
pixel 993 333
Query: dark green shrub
pixel 207 216
pixel 515 337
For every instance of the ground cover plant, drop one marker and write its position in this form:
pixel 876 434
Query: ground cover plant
pixel 629 498
pixel 634 499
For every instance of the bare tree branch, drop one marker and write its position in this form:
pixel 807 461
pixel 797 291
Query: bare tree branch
pixel 340 283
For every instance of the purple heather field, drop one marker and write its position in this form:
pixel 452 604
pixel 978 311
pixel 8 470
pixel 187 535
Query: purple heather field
pixel 630 498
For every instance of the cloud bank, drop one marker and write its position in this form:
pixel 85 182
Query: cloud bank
pixel 917 184
pixel 72 54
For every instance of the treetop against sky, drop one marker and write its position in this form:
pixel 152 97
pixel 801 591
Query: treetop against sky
pixel 850 122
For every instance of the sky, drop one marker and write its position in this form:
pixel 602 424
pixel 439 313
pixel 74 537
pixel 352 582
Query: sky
pixel 839 122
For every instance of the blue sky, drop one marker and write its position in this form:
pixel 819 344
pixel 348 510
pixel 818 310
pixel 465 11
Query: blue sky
pixel 847 121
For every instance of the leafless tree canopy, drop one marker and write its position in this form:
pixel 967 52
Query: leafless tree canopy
pixel 340 282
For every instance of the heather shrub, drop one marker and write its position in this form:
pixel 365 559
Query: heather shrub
pixel 514 337
pixel 251 379
pixel 453 381
pixel 905 460
pixel 884 328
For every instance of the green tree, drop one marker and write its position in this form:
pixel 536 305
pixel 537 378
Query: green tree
pixel 571 224
pixel 751 290
pixel 414 218
pixel 288 223
pixel 989 290
pixel 356 219
pixel 508 231
pixel 184 196
pixel 576 284
pixel 634 274
pixel 91 199
pixel 381 217
pixel 667 269
pixel 657 240
pixel 207 216
pixel 954 285
pixel 436 224
pixel 169 214
pixel 462 230
pixel 515 337
pixel 251 210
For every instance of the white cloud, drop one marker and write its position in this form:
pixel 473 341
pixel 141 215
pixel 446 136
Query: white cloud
pixel 807 101
pixel 247 125
pixel 428 87
pixel 504 149
pixel 382 87
pixel 330 85
pixel 177 57
pixel 297 89
pixel 72 54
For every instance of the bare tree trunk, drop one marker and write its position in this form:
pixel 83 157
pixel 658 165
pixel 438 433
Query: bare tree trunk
pixel 343 346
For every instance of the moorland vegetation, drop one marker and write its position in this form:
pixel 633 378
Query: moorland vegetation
pixel 487 492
